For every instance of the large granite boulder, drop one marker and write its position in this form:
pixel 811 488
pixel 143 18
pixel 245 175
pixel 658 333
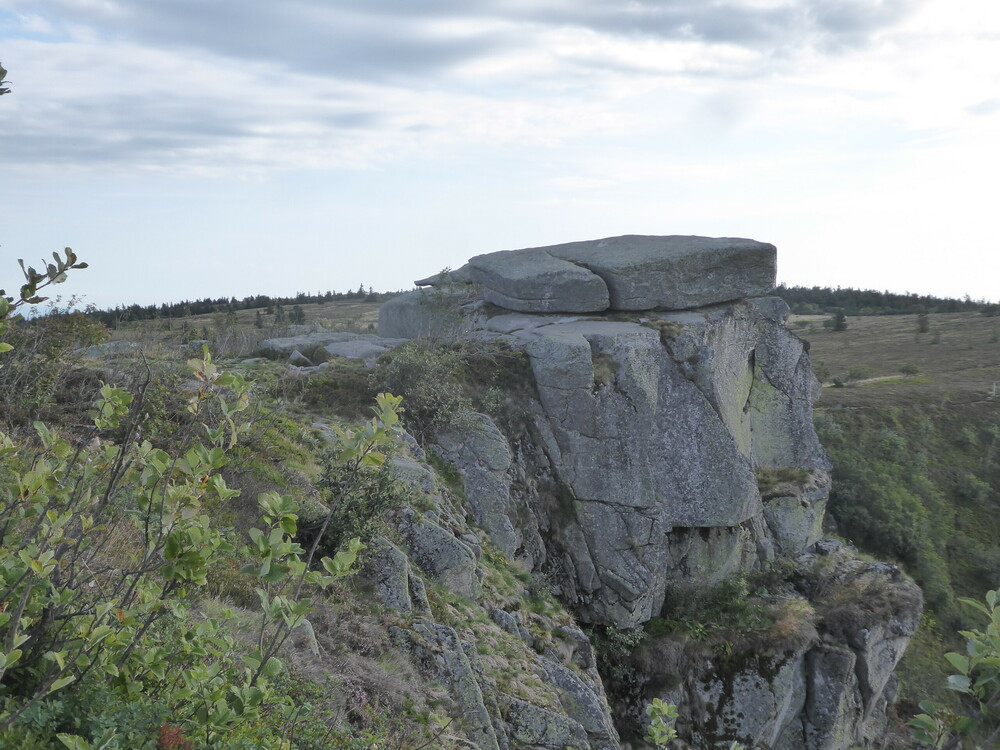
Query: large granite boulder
pixel 481 452
pixel 533 280
pixel 633 272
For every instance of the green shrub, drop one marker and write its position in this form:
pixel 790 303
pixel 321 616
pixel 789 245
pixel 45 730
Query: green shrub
pixel 711 615
pixel 102 543
pixel 355 500
pixel 430 374
pixel 343 387
pixel 613 647
pixel 38 371
pixel 443 381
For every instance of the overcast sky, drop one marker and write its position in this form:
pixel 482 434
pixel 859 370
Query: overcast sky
pixel 192 148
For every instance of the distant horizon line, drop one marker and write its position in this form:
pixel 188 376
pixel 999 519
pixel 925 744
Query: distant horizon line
pixel 79 302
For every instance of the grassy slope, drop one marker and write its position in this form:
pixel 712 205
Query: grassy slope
pixel 916 472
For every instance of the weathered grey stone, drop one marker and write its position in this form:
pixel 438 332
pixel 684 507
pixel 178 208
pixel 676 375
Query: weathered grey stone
pixel 298 359
pixel 879 640
pixel 513 322
pixel 439 651
pixel 440 554
pixel 780 403
pixel 579 651
pixel 413 472
pixel 795 522
pixel 513 623
pixel 387 567
pixel 532 280
pixel 357 349
pixel 585 704
pixel 639 471
pixel 538 727
pixel 340 343
pixel 480 452
pixel 633 272
pixel 754 705
pixel 444 278
pixel 834 709
pixel 418 594
pixel 109 349
pixel 638 449
pixel 632 430
pixel 675 272
pixel 703 558
pixel 445 311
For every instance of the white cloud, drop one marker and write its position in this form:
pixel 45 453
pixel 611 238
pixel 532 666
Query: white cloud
pixel 823 123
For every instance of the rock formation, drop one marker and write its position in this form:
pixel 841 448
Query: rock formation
pixel 669 448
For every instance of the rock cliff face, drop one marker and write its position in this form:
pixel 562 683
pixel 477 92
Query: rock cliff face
pixel 666 447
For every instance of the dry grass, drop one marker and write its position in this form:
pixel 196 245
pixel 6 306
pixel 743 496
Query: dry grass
pixel 235 335
pixel 958 359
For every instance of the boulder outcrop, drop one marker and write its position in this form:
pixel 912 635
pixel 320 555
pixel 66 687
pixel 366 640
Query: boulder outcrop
pixel 665 446
pixel 632 272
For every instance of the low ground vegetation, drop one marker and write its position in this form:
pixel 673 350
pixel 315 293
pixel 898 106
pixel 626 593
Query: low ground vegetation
pixel 143 602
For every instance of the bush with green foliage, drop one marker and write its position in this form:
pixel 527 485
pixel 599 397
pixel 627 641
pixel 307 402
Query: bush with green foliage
pixel 38 351
pixel 444 380
pixel 976 679
pixel 104 542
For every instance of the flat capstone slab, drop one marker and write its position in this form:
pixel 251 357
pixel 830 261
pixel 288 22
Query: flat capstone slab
pixel 533 280
pixel 631 272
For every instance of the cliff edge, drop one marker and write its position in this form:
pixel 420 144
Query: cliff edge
pixel 661 449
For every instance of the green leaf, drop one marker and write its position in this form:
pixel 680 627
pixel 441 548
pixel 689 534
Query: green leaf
pixel 975 605
pixel 5 347
pixel 59 657
pixel 958 682
pixel 958 661
pixel 272 668
pixel 100 633
pixel 61 683
pixel 73 742
pixel 10 658
pixel 923 721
